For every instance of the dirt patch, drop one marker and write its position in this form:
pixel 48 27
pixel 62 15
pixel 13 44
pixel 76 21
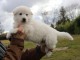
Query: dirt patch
pixel 60 49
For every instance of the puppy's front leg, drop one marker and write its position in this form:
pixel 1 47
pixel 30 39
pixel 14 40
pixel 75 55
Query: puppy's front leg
pixel 12 31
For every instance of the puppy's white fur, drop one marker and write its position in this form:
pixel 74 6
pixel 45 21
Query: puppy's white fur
pixel 37 31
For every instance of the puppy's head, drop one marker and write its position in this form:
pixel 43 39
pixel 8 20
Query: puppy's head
pixel 22 14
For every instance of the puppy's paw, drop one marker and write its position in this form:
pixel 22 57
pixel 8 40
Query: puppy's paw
pixel 12 31
pixel 49 54
pixel 8 35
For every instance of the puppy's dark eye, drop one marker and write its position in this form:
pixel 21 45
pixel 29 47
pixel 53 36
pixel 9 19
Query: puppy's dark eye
pixel 20 13
pixel 26 14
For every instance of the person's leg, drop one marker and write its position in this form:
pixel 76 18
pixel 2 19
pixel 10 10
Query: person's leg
pixel 13 53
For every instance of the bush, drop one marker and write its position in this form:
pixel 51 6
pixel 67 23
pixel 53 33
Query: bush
pixel 72 27
pixel 64 27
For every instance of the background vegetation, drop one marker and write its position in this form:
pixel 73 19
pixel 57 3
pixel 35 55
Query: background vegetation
pixel 66 24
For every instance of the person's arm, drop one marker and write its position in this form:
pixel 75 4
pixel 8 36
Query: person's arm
pixel 34 53
pixel 14 50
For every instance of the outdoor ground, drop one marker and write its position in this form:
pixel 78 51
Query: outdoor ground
pixel 72 53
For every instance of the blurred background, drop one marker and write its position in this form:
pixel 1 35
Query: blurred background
pixel 63 15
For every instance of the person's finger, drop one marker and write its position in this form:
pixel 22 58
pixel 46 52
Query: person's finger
pixel 20 28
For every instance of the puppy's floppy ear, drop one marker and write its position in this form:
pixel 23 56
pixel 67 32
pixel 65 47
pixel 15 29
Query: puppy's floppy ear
pixel 14 12
pixel 31 13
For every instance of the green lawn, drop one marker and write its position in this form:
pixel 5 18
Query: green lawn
pixel 72 53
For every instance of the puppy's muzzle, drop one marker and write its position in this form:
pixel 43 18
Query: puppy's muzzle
pixel 23 20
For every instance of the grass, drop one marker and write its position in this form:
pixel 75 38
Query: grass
pixel 72 53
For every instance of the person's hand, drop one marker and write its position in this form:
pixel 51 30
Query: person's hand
pixel 20 29
pixel 43 46
pixel 19 34
pixel 18 37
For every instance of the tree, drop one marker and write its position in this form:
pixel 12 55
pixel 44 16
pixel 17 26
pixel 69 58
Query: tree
pixel 77 25
pixel 1 28
pixel 63 17
pixel 45 17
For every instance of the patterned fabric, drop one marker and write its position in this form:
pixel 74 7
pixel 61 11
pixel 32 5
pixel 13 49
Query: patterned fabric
pixel 2 50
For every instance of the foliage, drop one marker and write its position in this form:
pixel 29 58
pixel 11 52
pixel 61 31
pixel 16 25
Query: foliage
pixel 77 25
pixel 72 27
pixel 63 17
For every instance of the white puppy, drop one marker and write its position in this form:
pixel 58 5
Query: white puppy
pixel 37 31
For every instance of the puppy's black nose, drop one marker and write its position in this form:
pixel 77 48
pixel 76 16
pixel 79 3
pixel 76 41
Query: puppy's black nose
pixel 23 20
